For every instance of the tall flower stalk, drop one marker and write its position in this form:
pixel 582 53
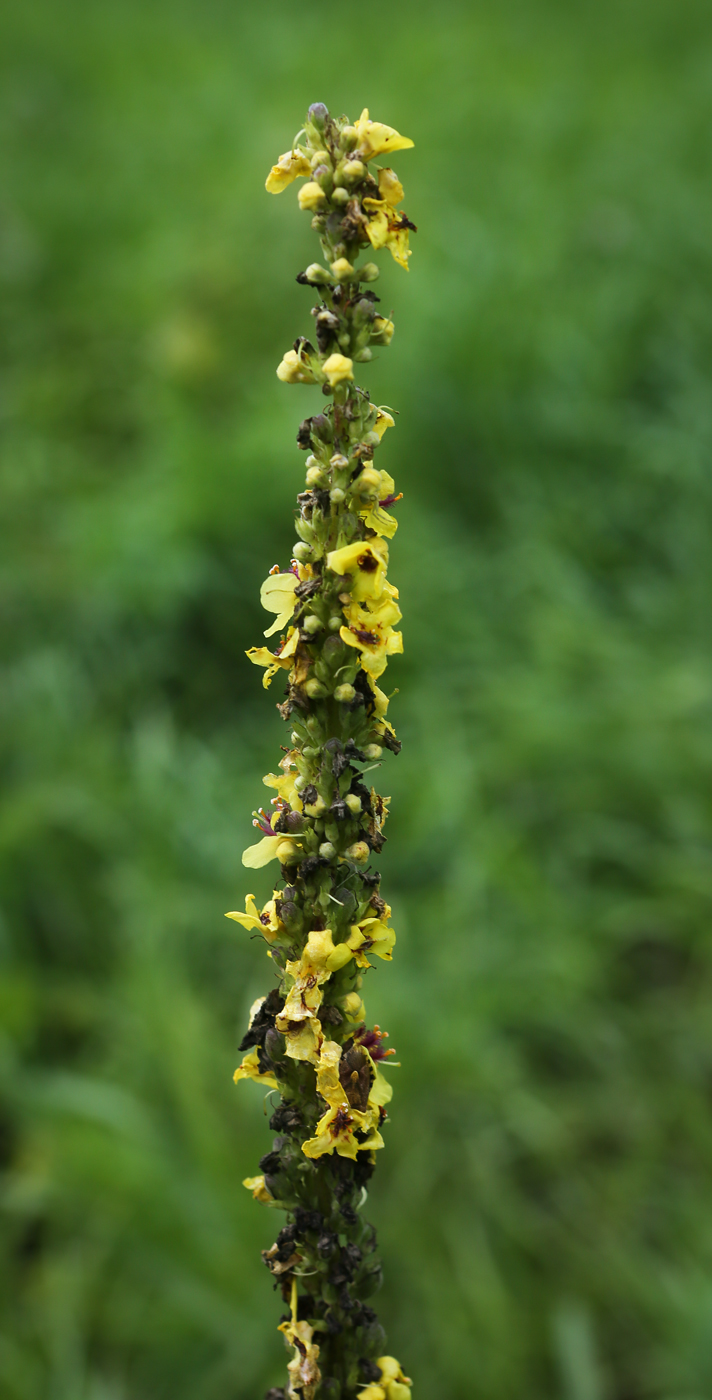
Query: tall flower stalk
pixel 335 619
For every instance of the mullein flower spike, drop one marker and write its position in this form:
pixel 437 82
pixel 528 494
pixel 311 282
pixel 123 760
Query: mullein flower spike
pixel 336 615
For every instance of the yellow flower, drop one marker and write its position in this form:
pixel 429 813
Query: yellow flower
pixel 370 630
pixel 250 1069
pixel 396 1385
pixel 304 1373
pixel 383 420
pixel 265 922
pixel 374 138
pixel 387 229
pixel 372 935
pixel 293 369
pixel 372 1392
pixel 277 596
pixel 338 368
pixel 367 560
pixel 274 661
pixel 285 785
pixel 269 848
pixel 256 1184
pixel 311 196
pixel 289 166
pixel 298 1020
pixel 336 1130
pixel 389 186
pixel 381 331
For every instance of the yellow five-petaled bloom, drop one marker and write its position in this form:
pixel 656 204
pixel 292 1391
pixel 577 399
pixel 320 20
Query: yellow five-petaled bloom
pixel 337 1128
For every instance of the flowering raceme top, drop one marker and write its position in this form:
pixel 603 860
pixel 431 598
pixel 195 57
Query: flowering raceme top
pixel 334 631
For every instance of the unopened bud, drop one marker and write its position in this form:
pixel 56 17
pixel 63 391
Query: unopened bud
pixel 340 195
pixel 359 852
pixel 373 751
pixel 302 551
pixel 354 170
pixel 300 781
pixel 311 624
pixel 327 850
pixel 315 690
pixel 316 274
pixel 348 138
pixel 318 114
pixel 336 496
pixel 319 158
pixel 344 693
pixel 314 476
pixel 369 272
pixel 287 852
pixel 382 331
pixel 339 461
pixel 275 1044
pixel 316 809
pixel 311 196
pixel 353 802
pixel 335 623
pixel 342 269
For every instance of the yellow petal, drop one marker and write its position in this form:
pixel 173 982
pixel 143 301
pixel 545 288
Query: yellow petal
pixel 383 420
pixel 277 596
pixel 256 1184
pixel 250 1069
pixel 338 368
pixel 288 167
pixel 374 138
pixel 251 918
pixel 262 852
pixel 389 186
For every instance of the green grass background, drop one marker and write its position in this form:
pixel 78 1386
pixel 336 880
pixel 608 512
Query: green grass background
pixel 545 1199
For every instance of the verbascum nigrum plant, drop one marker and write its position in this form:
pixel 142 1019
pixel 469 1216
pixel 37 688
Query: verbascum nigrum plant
pixel 308 1041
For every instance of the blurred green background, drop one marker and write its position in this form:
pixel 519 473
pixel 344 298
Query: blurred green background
pixel 545 1200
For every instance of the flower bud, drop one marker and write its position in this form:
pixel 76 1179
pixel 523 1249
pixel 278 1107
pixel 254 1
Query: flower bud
pixel 342 269
pixel 316 274
pixel 339 461
pixel 287 853
pixel 319 158
pixel 382 331
pixel 335 622
pixel 359 852
pixel 353 802
pixel 300 781
pixel 316 809
pixel 311 196
pixel 318 114
pixel 352 1006
pixel 373 751
pixel 314 689
pixel 344 693
pixel 302 551
pixel 327 850
pixel 314 477
pixel 340 195
pixel 336 496
pixel 354 170
pixel 348 138
pixel 274 1044
pixel 321 427
pixel 369 272
pixel 311 624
